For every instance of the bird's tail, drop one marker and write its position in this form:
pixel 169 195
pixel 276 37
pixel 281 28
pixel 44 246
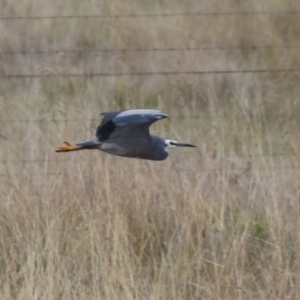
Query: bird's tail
pixel 92 144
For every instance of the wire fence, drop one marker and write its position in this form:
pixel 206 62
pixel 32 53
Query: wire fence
pixel 156 50
pixel 150 73
pixel 224 116
pixel 156 15
pixel 228 157
pixel 244 170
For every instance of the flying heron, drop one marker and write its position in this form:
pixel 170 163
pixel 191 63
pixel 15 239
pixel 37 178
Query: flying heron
pixel 126 133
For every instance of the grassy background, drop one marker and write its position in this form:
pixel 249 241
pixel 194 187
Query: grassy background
pixel 218 222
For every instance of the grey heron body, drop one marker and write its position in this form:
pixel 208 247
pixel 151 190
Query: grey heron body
pixel 126 133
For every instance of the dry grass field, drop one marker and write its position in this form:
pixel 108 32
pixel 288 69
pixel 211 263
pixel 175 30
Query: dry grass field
pixel 221 221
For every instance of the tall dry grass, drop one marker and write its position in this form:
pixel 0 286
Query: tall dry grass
pixel 218 222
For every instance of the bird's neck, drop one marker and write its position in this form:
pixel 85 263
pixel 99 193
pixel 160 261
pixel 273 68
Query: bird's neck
pixel 158 148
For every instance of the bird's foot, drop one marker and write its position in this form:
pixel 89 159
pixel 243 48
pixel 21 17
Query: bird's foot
pixel 67 147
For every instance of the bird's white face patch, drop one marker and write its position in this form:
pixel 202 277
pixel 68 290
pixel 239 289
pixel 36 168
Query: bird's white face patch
pixel 170 144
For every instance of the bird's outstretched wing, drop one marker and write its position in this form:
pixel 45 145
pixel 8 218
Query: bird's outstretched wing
pixel 137 120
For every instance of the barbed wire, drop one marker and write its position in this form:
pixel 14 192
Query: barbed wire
pixel 169 49
pixel 163 73
pixel 150 73
pixel 224 169
pixel 51 160
pixel 292 115
pixel 154 15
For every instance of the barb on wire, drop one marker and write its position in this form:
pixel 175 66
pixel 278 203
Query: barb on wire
pixel 149 73
pixel 169 49
pixel 155 15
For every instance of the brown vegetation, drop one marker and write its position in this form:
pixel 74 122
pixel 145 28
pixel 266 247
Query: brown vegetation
pixel 218 222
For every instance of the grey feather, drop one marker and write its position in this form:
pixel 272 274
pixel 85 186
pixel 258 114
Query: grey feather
pixel 134 117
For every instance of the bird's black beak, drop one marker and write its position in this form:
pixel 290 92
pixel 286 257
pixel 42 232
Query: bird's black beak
pixel 183 145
